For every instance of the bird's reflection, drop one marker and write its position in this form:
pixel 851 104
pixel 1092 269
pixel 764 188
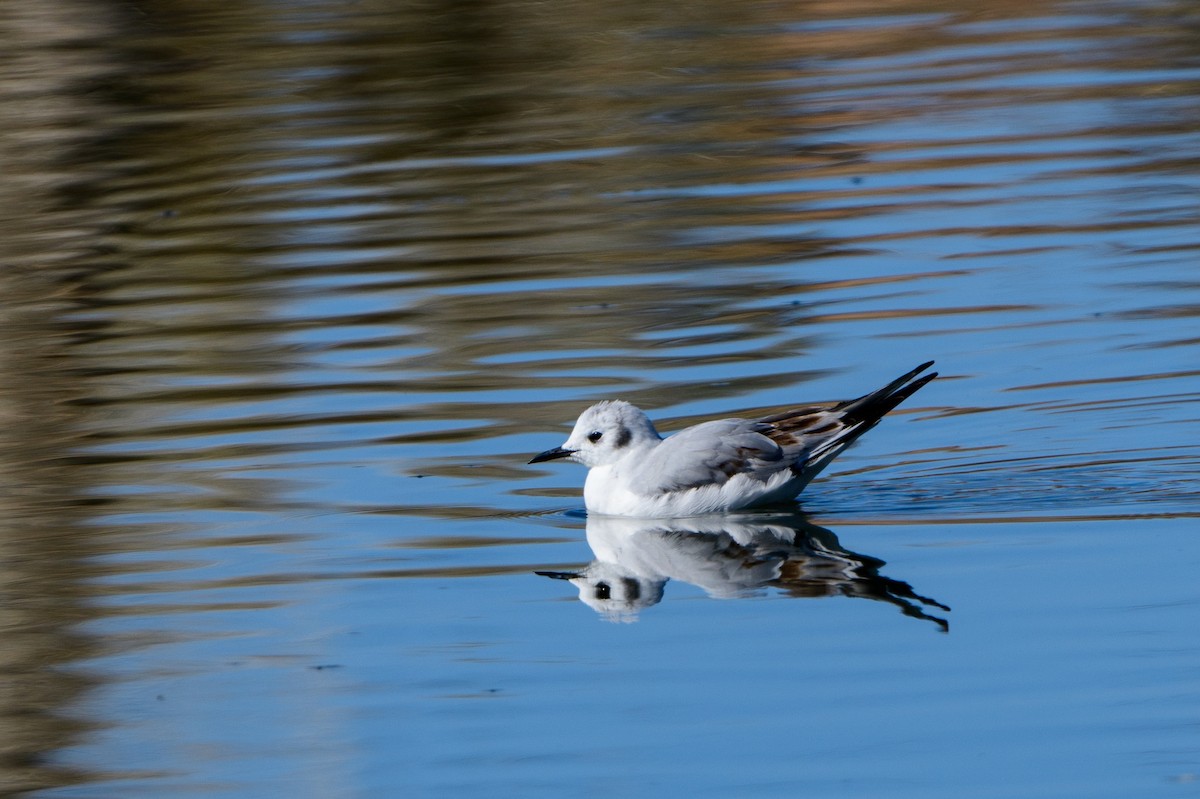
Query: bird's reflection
pixel 728 556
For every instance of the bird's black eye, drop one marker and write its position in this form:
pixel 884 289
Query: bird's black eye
pixel 603 591
pixel 594 436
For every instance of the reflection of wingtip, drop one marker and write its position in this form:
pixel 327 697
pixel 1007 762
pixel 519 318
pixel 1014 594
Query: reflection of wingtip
pixel 917 612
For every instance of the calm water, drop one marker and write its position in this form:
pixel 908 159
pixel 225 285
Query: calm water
pixel 292 291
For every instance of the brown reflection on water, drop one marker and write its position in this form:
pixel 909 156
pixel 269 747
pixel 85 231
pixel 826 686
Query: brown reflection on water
pixel 462 167
pixel 45 243
pixel 44 543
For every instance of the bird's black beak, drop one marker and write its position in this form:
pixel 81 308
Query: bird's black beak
pixel 551 454
pixel 560 575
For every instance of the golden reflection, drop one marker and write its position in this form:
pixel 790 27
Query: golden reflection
pixel 44 542
pixel 45 504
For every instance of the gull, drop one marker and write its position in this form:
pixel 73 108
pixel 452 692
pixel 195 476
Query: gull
pixel 716 467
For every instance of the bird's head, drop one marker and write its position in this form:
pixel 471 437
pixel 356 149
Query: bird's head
pixel 603 434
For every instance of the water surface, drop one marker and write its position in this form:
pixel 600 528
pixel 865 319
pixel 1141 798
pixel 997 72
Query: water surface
pixel 291 293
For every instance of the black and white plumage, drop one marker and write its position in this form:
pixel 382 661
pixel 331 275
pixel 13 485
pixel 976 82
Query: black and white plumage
pixel 720 466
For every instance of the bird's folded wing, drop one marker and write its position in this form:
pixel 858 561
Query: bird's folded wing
pixel 804 431
pixel 707 454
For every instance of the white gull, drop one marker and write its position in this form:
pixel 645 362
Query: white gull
pixel 716 467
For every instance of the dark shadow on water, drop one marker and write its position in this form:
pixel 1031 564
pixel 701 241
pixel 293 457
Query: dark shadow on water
pixel 729 557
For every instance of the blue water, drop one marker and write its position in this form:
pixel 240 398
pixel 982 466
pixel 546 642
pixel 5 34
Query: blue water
pixel 293 293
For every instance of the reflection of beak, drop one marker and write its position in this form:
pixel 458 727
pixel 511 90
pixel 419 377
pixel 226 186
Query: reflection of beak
pixel 560 575
pixel 551 454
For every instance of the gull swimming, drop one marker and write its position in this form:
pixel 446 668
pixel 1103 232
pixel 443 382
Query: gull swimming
pixel 720 466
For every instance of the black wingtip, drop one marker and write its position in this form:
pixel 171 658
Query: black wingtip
pixel 904 378
pixel 872 407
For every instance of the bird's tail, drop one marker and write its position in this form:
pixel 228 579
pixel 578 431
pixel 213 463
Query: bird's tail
pixel 860 415
pixel 870 408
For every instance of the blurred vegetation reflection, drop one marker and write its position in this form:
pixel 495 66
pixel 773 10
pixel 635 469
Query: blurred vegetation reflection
pixel 47 242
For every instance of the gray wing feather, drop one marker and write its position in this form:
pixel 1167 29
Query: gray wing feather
pixel 803 440
pixel 708 454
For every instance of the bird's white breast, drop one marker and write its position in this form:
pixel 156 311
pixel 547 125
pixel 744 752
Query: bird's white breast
pixel 607 491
